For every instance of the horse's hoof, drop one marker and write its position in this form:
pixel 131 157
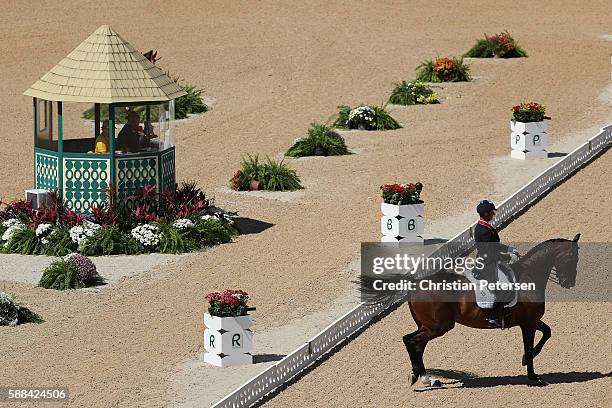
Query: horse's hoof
pixel 538 382
pixel 434 382
pixel 413 379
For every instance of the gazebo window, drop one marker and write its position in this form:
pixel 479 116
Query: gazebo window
pixel 151 132
pixel 44 125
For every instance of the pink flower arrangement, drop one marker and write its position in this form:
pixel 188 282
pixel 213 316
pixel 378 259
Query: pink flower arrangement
pixel 229 303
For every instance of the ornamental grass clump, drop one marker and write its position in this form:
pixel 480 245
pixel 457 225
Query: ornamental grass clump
pixel 529 112
pixel 500 45
pixel 12 314
pixel 321 141
pixel 402 194
pixel 365 117
pixel 229 303
pixel 443 69
pixel 270 175
pixel 413 93
pixel 74 271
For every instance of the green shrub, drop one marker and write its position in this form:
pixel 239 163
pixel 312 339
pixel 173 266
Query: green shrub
pixel 271 175
pixel 174 241
pixel 498 46
pixel 213 231
pixel 412 93
pixel 365 117
pixel 189 104
pixel 321 141
pixel 24 241
pixel 63 275
pixel 59 242
pixel 60 275
pixel 110 240
pixel 277 176
pixel 443 70
pixel 382 119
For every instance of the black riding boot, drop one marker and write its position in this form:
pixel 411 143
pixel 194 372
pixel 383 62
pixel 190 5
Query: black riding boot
pixel 494 316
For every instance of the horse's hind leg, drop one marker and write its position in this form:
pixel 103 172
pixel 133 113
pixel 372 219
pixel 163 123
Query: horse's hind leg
pixel 414 359
pixel 417 344
pixel 545 329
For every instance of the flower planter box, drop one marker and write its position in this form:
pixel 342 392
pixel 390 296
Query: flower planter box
pixel 529 140
pixel 529 127
pixel 228 341
pixel 402 223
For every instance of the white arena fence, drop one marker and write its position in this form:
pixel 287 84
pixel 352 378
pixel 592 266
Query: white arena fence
pixel 339 331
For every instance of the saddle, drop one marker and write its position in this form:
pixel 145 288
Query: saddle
pixel 485 298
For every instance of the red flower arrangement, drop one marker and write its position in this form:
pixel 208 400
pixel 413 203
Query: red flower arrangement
pixel 402 194
pixel 229 303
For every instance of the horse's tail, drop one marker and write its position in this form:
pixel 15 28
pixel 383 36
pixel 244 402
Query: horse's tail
pixel 372 292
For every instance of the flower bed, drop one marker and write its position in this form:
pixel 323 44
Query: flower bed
pixel 321 141
pixel 12 314
pixel 74 271
pixel 443 69
pixel 269 175
pixel 413 93
pixel 171 222
pixel 365 117
pixel 500 45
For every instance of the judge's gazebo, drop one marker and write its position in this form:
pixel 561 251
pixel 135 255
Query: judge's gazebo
pixel 107 71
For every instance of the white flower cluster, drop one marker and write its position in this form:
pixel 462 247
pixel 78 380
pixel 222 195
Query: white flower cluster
pixel 182 224
pixel 79 233
pixel 218 214
pixel 147 234
pixel 13 225
pixel 42 230
pixel 364 113
pixel 11 222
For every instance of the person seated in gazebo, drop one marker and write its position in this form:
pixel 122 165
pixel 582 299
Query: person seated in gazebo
pixel 130 136
pixel 101 144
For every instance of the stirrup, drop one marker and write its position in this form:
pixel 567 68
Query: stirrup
pixel 495 323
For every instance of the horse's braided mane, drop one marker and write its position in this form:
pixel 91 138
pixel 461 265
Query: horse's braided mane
pixel 541 244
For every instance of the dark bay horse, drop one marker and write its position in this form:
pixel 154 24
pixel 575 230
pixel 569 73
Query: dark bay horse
pixel 435 317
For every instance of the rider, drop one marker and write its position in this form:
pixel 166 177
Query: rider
pixel 491 251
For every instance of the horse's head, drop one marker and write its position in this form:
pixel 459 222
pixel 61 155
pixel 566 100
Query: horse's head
pixel 566 262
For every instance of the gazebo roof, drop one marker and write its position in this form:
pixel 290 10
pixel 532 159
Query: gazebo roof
pixel 105 68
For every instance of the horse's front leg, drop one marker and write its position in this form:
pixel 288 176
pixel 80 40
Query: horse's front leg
pixel 528 336
pixel 545 329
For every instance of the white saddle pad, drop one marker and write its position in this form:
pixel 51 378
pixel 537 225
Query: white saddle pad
pixel 485 299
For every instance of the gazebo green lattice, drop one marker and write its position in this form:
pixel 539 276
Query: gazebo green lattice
pixel 104 69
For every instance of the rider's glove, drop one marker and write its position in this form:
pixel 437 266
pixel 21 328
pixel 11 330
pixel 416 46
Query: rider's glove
pixel 514 257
